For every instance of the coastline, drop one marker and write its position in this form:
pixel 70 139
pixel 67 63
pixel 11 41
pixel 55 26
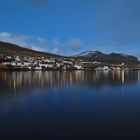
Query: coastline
pixel 67 69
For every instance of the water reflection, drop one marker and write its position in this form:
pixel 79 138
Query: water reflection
pixel 14 82
pixel 82 107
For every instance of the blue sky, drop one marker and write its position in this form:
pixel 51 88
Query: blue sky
pixel 71 26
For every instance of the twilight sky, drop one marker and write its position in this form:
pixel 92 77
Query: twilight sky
pixel 71 26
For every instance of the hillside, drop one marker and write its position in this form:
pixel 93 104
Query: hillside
pixel 113 58
pixel 12 49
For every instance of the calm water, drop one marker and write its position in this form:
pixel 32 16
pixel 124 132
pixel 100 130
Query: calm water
pixel 70 105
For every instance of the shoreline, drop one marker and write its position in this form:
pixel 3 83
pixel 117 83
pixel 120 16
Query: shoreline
pixel 26 69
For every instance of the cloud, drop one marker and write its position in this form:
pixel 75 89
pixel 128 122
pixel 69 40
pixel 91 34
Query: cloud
pixel 35 43
pixel 41 44
pixel 5 35
pixel 56 42
pixel 15 39
pixel 55 51
pixel 74 44
pixel 66 47
pixel 38 48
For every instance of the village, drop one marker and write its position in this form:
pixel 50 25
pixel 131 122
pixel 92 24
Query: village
pixel 44 63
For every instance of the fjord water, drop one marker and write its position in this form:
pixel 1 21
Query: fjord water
pixel 72 104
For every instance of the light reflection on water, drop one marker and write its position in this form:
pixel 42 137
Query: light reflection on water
pixel 19 81
pixel 70 103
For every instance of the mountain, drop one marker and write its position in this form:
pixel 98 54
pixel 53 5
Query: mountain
pixel 88 54
pixel 113 58
pixel 12 49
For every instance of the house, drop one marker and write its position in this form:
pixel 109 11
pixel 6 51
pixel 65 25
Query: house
pixel 78 67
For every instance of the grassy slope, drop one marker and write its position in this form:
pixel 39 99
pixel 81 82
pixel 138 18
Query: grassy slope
pixel 12 49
